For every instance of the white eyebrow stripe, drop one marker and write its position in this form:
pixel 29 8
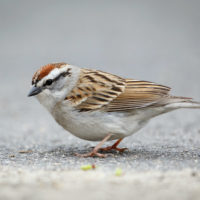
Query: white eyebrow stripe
pixel 54 75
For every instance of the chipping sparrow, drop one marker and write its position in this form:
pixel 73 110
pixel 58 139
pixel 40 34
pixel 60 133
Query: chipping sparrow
pixel 98 106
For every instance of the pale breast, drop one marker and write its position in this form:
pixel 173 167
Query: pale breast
pixel 95 125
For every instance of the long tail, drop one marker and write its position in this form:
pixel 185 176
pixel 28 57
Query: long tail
pixel 182 102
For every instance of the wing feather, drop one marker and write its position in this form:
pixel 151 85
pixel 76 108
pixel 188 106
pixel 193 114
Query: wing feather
pixel 138 94
pixel 97 90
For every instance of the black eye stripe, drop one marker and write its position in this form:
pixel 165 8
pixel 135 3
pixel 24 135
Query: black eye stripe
pixel 62 74
pixel 67 73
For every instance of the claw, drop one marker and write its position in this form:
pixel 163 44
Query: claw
pixel 91 154
pixel 121 150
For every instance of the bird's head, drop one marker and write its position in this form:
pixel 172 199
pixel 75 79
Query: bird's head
pixel 54 81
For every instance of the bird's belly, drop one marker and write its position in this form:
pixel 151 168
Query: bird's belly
pixel 97 125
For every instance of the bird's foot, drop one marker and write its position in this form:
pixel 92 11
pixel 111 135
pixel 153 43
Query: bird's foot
pixel 91 154
pixel 113 147
pixel 94 152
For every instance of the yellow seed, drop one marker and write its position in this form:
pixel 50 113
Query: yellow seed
pixel 88 167
pixel 118 172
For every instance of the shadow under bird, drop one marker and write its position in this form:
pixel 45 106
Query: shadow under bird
pixel 99 106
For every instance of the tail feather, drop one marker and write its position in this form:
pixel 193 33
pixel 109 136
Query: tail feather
pixel 183 102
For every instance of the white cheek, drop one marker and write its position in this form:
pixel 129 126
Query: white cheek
pixel 59 84
pixel 59 90
pixel 46 99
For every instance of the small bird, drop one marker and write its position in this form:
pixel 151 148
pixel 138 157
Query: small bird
pixel 99 106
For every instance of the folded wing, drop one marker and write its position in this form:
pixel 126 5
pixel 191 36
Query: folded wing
pixel 98 90
pixel 139 94
pixel 95 90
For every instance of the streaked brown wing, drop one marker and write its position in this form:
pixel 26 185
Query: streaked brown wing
pixel 95 89
pixel 100 90
pixel 138 94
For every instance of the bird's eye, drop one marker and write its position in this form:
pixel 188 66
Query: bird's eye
pixel 49 82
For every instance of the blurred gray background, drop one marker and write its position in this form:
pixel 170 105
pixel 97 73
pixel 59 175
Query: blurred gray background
pixel 150 40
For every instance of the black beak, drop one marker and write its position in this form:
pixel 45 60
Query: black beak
pixel 34 91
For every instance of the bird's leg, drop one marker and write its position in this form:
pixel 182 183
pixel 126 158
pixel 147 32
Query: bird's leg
pixel 94 152
pixel 114 147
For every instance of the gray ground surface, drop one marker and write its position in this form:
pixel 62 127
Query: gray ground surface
pixel 133 39
pixel 23 184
